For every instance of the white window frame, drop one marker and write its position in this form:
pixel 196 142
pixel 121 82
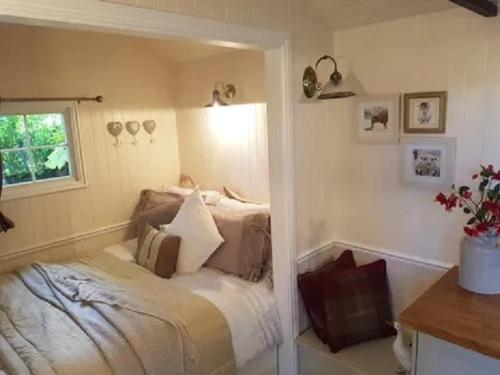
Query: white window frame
pixel 77 179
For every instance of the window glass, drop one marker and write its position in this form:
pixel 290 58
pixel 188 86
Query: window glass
pixel 34 147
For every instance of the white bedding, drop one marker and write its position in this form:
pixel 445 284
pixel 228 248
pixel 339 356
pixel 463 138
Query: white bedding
pixel 249 308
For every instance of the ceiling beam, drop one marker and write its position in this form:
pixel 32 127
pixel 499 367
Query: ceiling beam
pixel 486 8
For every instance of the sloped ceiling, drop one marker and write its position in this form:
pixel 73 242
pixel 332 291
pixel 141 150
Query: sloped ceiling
pixel 351 13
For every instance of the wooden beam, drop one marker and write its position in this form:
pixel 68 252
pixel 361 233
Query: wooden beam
pixel 486 8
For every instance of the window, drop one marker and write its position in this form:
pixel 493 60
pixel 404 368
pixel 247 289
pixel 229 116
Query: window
pixel 40 149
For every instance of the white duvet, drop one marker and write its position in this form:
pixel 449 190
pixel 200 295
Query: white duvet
pixel 249 308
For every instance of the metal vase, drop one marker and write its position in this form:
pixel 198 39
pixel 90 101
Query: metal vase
pixel 480 265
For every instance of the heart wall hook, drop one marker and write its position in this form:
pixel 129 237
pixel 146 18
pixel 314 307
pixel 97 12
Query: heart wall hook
pixel 133 128
pixel 115 128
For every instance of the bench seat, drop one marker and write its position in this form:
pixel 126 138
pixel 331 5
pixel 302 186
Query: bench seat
pixel 370 358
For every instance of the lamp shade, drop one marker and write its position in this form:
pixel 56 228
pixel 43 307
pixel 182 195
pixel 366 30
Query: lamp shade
pixel 216 99
pixel 224 96
pixel 332 91
pixel 335 88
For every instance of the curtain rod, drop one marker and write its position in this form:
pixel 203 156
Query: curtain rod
pixel 78 99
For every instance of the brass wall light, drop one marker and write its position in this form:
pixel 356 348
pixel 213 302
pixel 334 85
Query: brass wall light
pixel 223 96
pixel 333 89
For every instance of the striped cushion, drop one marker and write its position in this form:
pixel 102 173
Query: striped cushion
pixel 158 252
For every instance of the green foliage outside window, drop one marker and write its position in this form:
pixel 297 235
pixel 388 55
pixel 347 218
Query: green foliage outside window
pixel 34 147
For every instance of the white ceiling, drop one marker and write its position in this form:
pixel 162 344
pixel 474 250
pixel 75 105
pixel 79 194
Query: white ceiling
pixel 350 13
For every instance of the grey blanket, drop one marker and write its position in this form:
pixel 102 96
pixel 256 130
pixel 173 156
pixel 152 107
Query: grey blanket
pixel 74 319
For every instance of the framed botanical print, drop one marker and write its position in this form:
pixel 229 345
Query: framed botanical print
pixel 425 113
pixel 378 118
pixel 427 161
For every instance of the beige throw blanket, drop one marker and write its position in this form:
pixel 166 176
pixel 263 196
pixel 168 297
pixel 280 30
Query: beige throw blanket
pixel 104 316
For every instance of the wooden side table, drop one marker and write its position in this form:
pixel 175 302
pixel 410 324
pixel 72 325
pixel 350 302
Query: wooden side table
pixel 457 332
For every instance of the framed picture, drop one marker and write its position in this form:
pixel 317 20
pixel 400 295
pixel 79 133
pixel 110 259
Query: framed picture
pixel 425 113
pixel 378 118
pixel 428 161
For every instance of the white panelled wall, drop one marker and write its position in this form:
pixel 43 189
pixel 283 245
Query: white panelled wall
pixel 224 146
pixel 454 50
pixel 344 191
pixel 310 38
pixel 53 62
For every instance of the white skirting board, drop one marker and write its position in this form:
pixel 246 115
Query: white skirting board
pixel 408 276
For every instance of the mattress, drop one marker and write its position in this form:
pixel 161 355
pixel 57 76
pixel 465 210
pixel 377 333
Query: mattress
pixel 249 308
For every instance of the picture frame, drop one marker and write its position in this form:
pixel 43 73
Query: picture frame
pixel 425 112
pixel 427 161
pixel 378 118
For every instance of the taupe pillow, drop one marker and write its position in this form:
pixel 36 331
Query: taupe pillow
pixel 159 252
pixel 151 199
pixel 162 214
pixel 247 243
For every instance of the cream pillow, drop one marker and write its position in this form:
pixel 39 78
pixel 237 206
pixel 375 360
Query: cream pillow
pixel 196 227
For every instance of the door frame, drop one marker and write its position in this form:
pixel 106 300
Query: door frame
pixel 117 18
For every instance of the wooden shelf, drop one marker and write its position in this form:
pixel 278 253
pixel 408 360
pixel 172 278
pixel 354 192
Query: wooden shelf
pixel 450 313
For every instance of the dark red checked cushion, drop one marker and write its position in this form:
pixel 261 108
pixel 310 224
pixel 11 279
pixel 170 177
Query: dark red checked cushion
pixel 312 292
pixel 357 304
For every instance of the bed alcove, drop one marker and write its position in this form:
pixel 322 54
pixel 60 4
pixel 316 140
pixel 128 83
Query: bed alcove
pixel 277 190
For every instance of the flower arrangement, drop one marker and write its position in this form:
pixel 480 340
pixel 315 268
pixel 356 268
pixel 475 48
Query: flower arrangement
pixel 484 209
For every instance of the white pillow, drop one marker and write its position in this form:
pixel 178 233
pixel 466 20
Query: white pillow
pixel 196 227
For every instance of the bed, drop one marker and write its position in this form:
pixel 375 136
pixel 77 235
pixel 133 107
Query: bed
pixel 249 309
pixel 231 325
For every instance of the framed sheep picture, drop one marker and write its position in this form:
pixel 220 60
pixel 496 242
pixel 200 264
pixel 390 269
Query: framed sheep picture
pixel 427 161
pixel 378 118
pixel 425 112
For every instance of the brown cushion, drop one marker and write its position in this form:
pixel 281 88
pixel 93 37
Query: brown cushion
pixel 357 303
pixel 247 243
pixel 312 293
pixel 162 214
pixel 151 199
pixel 159 252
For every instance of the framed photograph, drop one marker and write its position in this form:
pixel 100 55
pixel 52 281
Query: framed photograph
pixel 378 118
pixel 425 113
pixel 428 161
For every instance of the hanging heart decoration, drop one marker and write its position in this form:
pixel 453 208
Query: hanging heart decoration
pixel 133 128
pixel 149 127
pixel 115 128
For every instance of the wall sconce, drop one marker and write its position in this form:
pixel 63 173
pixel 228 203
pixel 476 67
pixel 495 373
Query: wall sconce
pixel 149 127
pixel 333 89
pixel 223 97
pixel 133 128
pixel 115 128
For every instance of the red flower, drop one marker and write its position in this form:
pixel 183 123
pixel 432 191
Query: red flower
pixel 491 206
pixel 441 198
pixel 451 202
pixel 475 176
pixel 497 176
pixel 482 227
pixel 467 194
pixel 471 232
pixel 490 168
